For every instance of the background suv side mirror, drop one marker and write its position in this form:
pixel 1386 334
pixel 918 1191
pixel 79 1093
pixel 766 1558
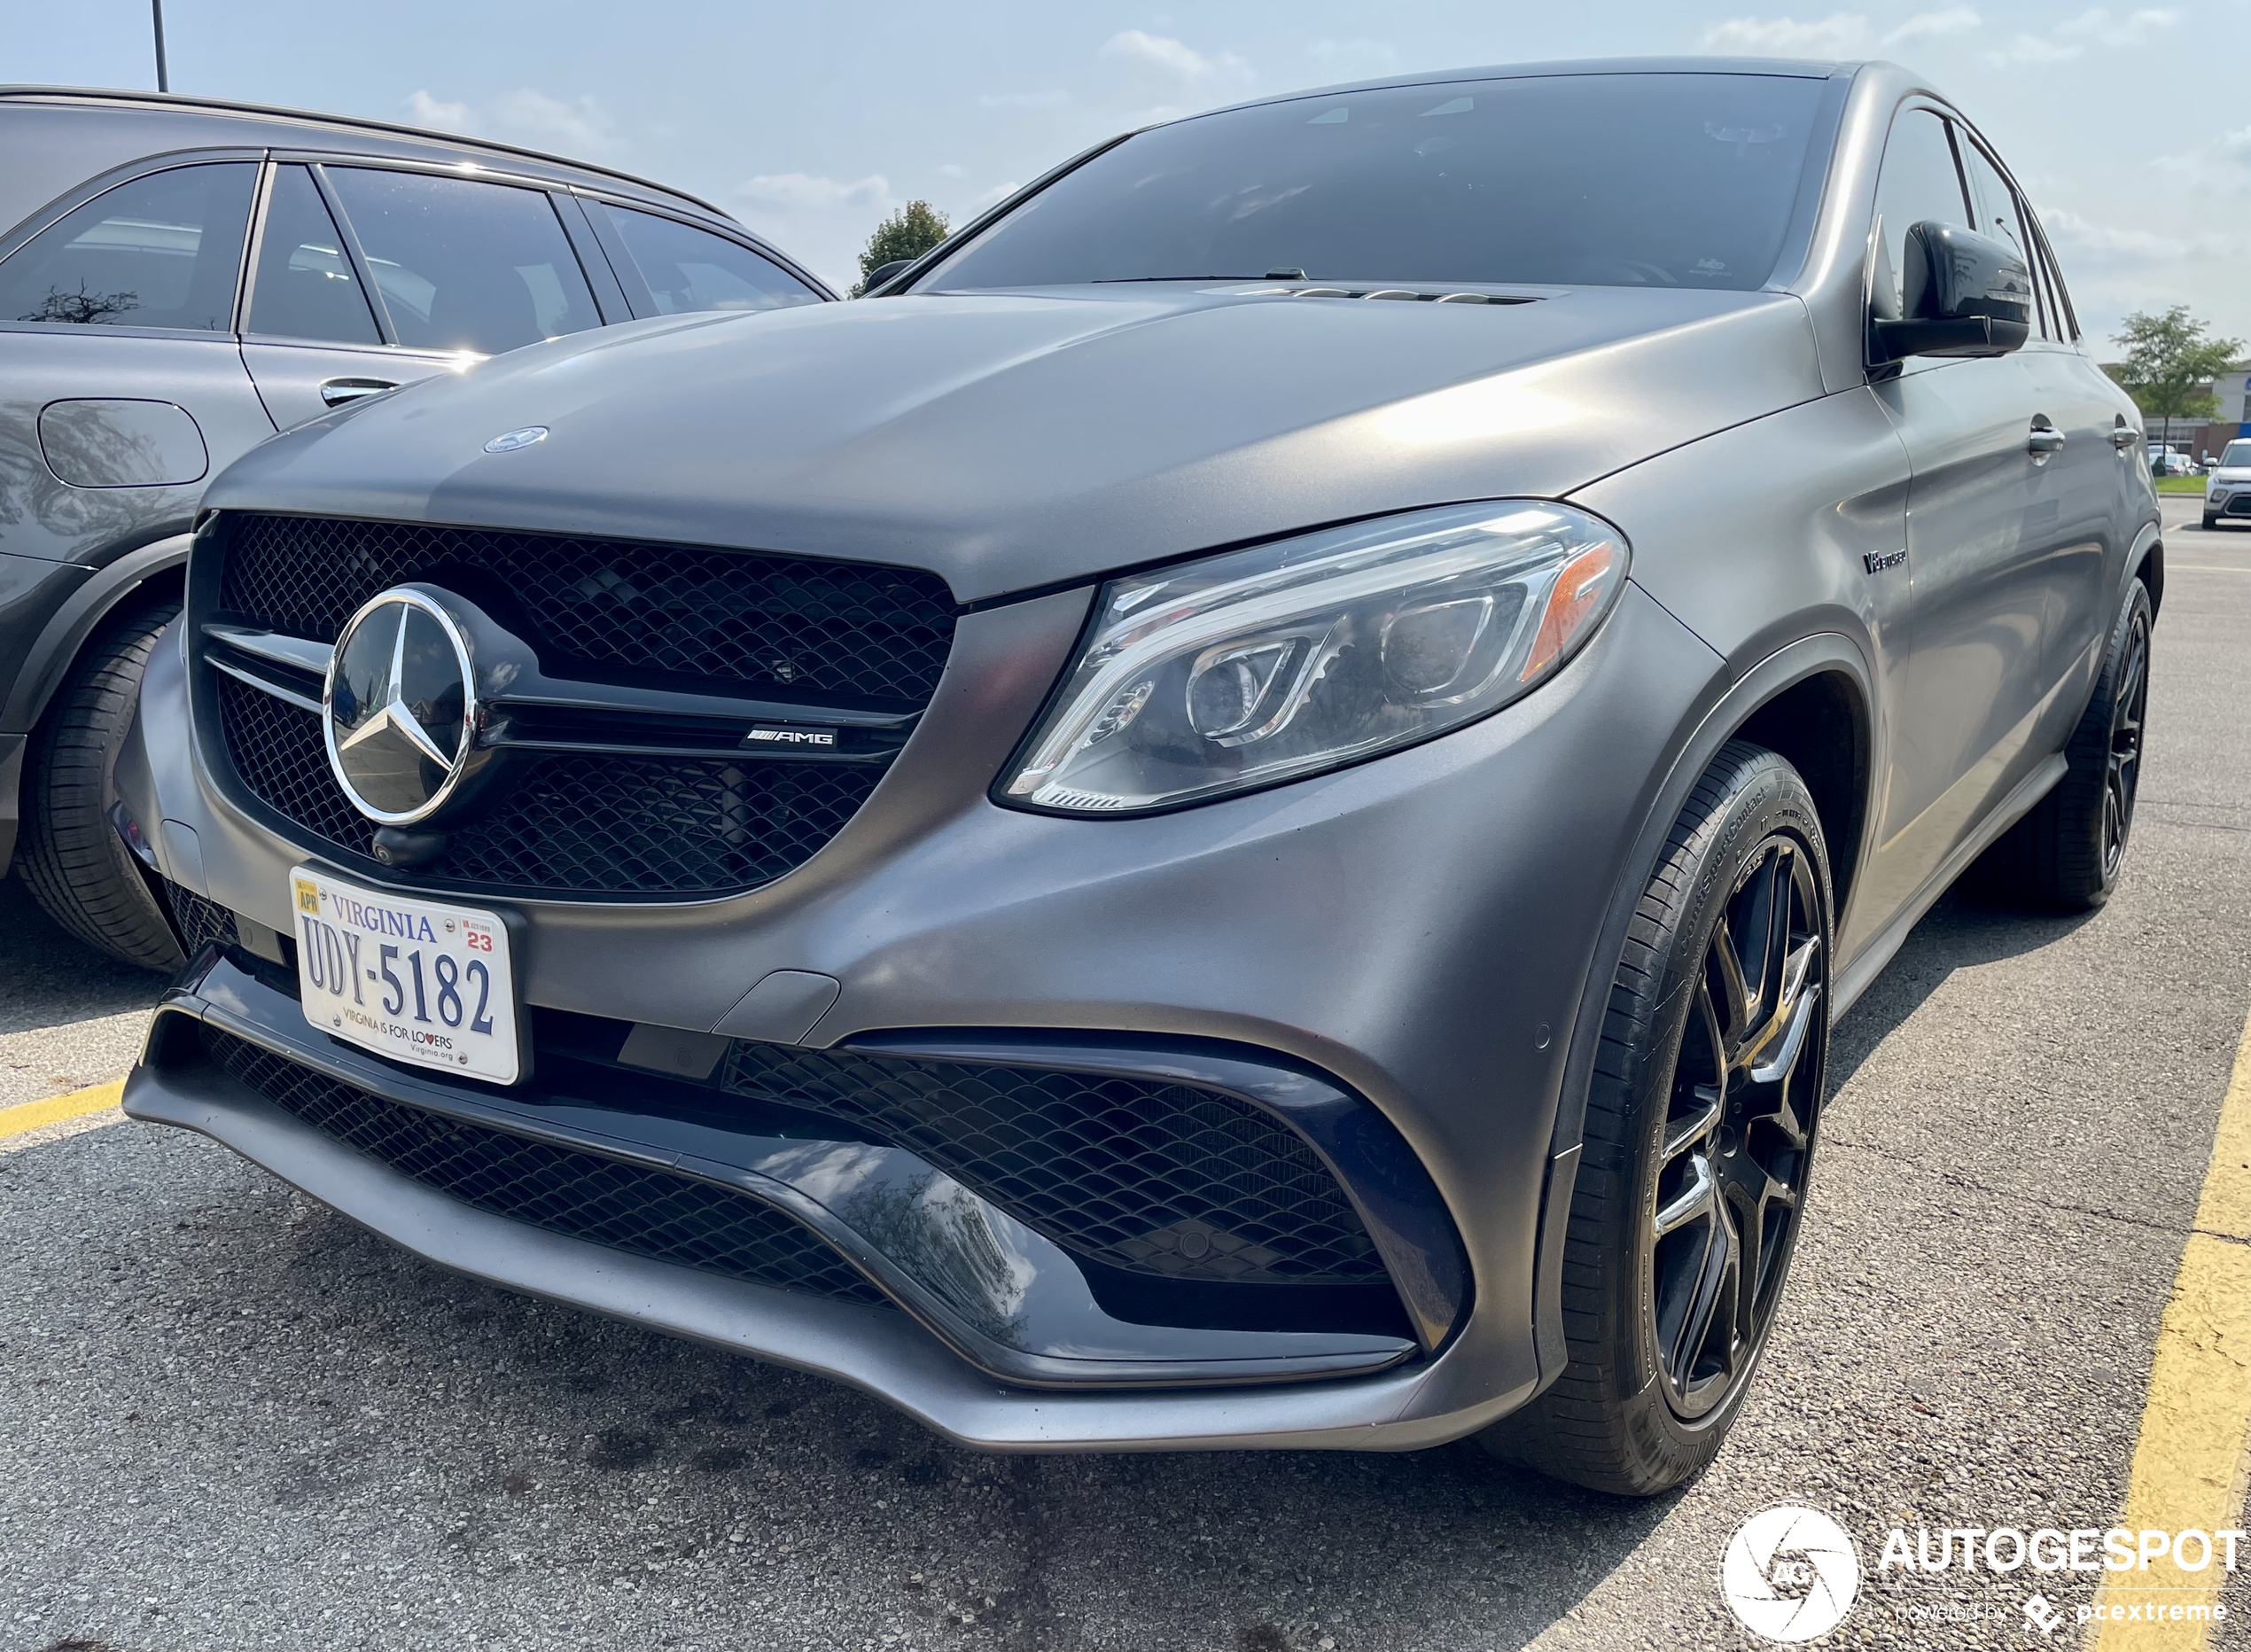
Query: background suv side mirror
pixel 1966 294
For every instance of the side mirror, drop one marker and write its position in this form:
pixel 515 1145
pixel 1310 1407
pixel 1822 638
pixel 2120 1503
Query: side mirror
pixel 882 273
pixel 1967 294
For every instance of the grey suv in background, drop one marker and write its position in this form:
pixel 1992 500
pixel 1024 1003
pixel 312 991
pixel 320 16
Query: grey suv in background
pixel 1233 815
pixel 181 279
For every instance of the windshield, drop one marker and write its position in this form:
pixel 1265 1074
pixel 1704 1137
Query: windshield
pixel 1621 180
pixel 2239 453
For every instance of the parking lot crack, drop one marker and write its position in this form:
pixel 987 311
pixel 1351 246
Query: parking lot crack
pixel 1970 1184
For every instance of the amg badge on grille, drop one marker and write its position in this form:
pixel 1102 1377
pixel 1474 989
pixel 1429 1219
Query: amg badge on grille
pixel 399 705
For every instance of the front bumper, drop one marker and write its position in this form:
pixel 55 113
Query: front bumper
pixel 1421 927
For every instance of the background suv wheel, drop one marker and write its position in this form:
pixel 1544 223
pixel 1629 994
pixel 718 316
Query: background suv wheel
pixel 70 855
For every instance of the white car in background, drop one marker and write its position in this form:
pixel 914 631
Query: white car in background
pixel 2165 460
pixel 2227 490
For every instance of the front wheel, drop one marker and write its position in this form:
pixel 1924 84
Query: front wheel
pixel 1700 1130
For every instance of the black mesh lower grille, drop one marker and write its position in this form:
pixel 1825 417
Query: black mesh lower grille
pixel 198 921
pixel 569 823
pixel 626 1207
pixel 1161 1179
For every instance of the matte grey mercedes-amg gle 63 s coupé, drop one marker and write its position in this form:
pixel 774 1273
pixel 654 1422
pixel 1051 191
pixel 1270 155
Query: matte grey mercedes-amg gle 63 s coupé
pixel 1233 814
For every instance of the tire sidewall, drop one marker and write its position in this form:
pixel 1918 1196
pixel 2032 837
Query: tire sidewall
pixel 1772 799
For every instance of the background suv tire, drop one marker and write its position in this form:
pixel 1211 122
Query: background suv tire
pixel 70 855
pixel 1700 1130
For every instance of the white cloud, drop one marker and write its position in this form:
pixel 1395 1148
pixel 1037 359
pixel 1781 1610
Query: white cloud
pixel 2094 27
pixel 997 193
pixel 1354 58
pixel 1175 57
pixel 1934 25
pixel 1844 34
pixel 950 171
pixel 803 191
pixel 2224 165
pixel 575 127
pixel 2102 248
pixel 578 126
pixel 1054 98
pixel 1841 35
pixel 435 113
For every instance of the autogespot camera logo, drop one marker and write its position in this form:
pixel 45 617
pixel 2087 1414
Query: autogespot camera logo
pixel 1790 1574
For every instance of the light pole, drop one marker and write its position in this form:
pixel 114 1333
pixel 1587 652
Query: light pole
pixel 156 15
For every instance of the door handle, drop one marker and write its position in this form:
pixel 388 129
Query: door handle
pixel 335 392
pixel 2124 437
pixel 2044 440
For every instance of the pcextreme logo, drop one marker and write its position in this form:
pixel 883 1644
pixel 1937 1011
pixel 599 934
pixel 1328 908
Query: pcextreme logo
pixel 1790 1574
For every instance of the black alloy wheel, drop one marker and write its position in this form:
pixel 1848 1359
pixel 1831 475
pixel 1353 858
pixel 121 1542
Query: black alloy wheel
pixel 1702 1113
pixel 2122 774
pixel 2066 854
pixel 1738 1134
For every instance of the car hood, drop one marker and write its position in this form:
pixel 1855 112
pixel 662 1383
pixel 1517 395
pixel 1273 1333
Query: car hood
pixel 1010 441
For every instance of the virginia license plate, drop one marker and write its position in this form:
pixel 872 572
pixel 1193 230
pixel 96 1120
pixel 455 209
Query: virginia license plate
pixel 416 980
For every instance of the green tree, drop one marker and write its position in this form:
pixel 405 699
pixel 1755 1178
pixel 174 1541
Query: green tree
pixel 909 232
pixel 2171 360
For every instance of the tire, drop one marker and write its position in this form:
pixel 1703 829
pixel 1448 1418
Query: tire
pixel 1640 1409
pixel 70 855
pixel 2066 854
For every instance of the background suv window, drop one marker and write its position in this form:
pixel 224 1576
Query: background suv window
pixel 305 287
pixel 462 265
pixel 162 251
pixel 689 269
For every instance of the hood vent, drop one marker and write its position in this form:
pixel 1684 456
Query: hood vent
pixel 1433 295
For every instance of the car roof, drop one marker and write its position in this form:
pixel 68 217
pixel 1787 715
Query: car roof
pixel 1786 68
pixel 107 129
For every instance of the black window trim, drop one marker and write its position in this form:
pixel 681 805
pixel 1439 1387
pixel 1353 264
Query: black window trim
pixel 93 189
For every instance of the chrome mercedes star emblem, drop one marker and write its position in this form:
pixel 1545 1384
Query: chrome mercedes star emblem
pixel 398 707
pixel 509 440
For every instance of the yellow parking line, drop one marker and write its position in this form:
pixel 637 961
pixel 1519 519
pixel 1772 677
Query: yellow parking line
pixel 2189 1464
pixel 55 1109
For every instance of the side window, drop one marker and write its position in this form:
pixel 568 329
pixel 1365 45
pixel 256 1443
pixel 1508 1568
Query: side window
pixel 1919 183
pixel 2066 318
pixel 305 287
pixel 162 251
pixel 463 265
pixel 689 269
pixel 1997 216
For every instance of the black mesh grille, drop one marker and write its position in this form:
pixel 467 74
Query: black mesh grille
pixel 626 1207
pixel 734 619
pixel 571 823
pixel 1157 1178
pixel 198 921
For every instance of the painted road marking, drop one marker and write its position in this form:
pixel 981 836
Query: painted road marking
pixel 55 1109
pixel 2189 1462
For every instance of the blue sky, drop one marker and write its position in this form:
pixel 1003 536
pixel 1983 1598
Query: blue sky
pixel 2128 124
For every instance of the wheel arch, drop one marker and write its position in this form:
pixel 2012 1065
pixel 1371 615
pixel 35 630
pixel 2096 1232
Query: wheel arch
pixel 1810 702
pixel 154 572
pixel 2146 561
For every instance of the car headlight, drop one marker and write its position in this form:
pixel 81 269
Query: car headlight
pixel 1264 665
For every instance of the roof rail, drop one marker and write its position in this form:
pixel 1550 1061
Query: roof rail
pixel 271 112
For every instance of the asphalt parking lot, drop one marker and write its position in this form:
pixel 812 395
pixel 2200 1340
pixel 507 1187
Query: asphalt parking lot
pixel 237 1422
